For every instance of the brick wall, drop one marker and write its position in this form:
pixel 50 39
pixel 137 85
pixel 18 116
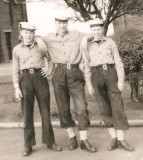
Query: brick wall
pixel 8 24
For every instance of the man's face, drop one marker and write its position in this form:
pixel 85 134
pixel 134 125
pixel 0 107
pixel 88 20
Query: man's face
pixel 28 36
pixel 98 32
pixel 61 27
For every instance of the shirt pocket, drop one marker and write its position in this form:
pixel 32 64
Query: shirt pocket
pixel 24 59
pixel 73 43
pixel 106 52
pixel 72 47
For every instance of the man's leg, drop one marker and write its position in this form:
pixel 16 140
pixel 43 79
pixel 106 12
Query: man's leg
pixel 63 102
pixel 101 96
pixel 27 109
pixel 43 97
pixel 62 97
pixel 76 87
pixel 120 122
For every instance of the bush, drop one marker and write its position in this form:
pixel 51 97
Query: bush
pixel 130 44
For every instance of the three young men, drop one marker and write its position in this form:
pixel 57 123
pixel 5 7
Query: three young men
pixel 104 75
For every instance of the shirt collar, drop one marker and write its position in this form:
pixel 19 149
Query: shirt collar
pixel 32 45
pixel 56 33
pixel 102 40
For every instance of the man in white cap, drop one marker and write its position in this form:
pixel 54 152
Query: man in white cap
pixel 29 81
pixel 64 49
pixel 104 75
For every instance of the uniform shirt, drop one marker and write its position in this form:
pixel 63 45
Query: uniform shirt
pixel 106 52
pixel 25 58
pixel 64 49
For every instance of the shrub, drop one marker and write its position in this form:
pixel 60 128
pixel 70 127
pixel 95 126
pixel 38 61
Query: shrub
pixel 130 44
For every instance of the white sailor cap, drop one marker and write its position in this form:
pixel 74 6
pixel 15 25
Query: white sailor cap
pixel 62 16
pixel 27 26
pixel 96 22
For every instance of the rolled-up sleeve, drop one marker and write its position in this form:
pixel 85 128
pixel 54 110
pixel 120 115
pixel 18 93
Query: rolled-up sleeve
pixel 118 63
pixel 15 69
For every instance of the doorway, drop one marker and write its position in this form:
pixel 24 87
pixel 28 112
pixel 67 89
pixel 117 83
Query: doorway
pixel 8 44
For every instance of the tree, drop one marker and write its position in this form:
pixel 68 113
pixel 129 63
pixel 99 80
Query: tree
pixel 90 9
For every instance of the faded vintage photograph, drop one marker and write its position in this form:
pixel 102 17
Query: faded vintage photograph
pixel 71 80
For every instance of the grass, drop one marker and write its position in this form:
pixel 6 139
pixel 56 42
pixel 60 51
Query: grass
pixel 10 109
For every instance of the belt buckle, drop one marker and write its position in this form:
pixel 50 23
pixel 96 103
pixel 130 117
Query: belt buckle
pixel 31 70
pixel 68 66
pixel 105 67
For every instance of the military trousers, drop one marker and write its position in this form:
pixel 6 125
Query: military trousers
pixel 108 97
pixel 35 85
pixel 69 83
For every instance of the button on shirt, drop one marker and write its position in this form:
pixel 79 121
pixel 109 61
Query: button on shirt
pixel 25 58
pixel 106 52
pixel 64 49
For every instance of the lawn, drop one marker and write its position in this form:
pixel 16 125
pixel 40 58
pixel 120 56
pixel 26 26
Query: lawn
pixel 10 109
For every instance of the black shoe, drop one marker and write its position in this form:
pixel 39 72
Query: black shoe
pixel 73 143
pixel 27 151
pixel 55 147
pixel 123 144
pixel 85 145
pixel 113 144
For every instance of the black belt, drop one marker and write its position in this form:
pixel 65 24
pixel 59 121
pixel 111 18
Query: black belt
pixel 31 70
pixel 68 66
pixel 104 66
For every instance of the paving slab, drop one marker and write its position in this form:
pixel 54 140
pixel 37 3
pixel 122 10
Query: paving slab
pixel 11 146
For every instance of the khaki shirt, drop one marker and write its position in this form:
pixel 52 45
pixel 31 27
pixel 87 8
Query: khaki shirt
pixel 106 52
pixel 64 49
pixel 26 58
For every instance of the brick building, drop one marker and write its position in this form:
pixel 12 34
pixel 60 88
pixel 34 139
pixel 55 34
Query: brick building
pixel 128 22
pixel 11 13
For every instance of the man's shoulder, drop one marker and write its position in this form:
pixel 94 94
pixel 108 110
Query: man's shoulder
pixel 49 36
pixel 108 39
pixel 75 32
pixel 18 46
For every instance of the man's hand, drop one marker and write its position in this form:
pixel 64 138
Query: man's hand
pixel 90 90
pixel 18 94
pixel 120 86
pixel 83 44
pixel 41 44
pixel 45 72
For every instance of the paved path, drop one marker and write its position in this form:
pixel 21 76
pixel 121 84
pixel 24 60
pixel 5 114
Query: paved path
pixel 11 146
pixel 5 69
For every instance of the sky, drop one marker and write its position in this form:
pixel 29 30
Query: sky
pixel 41 14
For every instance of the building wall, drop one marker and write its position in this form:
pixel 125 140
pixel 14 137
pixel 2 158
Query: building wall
pixel 128 22
pixel 9 25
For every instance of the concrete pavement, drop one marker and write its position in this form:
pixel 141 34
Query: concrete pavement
pixel 11 146
pixel 5 72
pixel 5 69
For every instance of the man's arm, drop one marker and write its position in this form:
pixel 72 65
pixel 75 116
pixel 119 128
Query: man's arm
pixel 49 66
pixel 15 75
pixel 119 66
pixel 15 69
pixel 41 44
pixel 87 71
